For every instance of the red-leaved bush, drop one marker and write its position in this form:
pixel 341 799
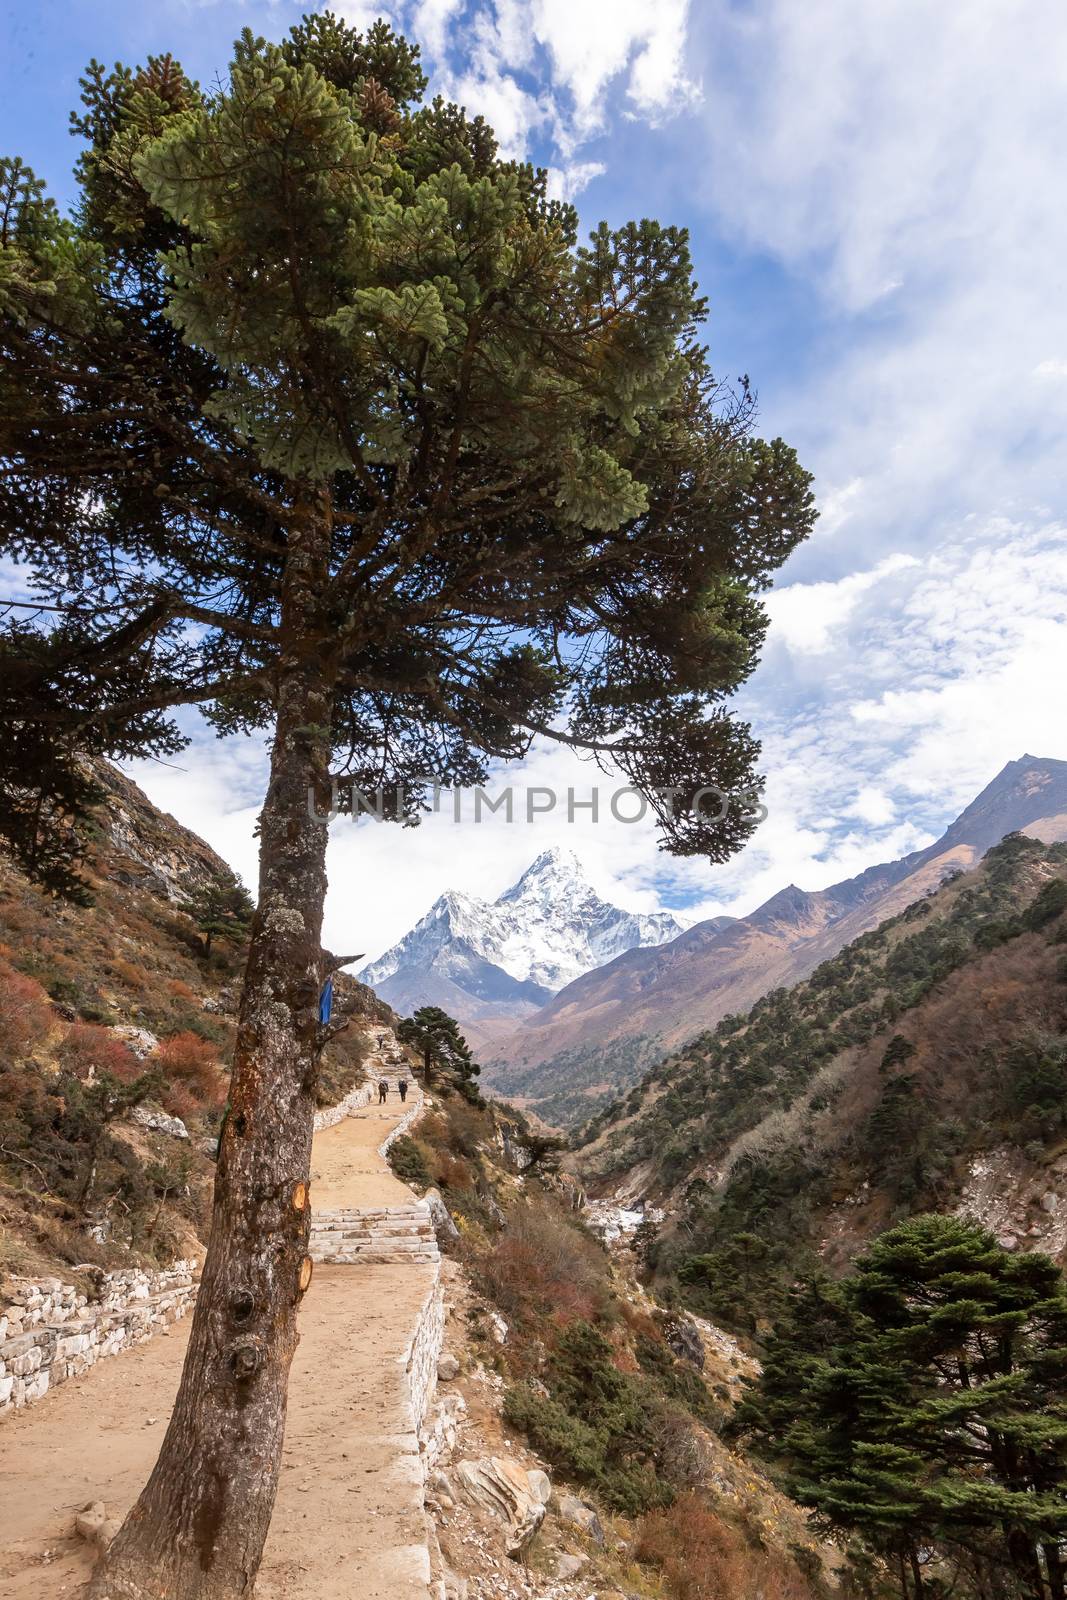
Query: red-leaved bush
pixel 541 1270
pixel 191 1064
pixel 25 1014
pixel 88 1051
pixel 702 1557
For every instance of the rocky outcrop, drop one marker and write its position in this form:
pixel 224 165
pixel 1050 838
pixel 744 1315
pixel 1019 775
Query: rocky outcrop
pixel 1022 1202
pixel 158 1121
pixel 443 1226
pixel 51 1331
pixel 507 1490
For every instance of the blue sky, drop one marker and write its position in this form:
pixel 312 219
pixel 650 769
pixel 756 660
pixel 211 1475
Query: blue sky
pixel 875 199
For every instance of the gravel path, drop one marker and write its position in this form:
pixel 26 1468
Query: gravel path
pixel 348 1519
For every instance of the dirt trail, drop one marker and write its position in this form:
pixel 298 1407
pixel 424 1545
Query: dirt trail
pixel 348 1519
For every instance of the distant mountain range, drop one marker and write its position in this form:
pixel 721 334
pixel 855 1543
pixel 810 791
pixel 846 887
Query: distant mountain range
pixel 489 964
pixel 599 1034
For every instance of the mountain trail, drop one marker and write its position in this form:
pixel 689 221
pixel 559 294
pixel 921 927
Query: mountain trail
pixel 349 1516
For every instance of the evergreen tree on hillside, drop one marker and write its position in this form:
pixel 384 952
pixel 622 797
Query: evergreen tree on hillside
pixel 316 414
pixel 923 1405
pixel 436 1037
pixel 222 908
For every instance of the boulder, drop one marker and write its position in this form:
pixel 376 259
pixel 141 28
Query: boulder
pixel 441 1217
pixel 498 1328
pixel 540 1484
pixel 568 1566
pixel 447 1368
pixel 157 1121
pixel 504 1489
pixel 140 1040
pixel 683 1338
pixel 574 1513
pixel 94 1524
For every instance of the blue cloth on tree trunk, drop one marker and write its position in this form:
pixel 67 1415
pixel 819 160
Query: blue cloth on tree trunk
pixel 326 1002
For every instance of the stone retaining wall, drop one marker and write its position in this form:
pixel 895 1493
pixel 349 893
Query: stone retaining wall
pixel 356 1098
pixel 407 1121
pixel 424 1351
pixel 51 1331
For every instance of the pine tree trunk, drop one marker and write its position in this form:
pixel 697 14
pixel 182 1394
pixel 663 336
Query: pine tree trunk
pixel 198 1530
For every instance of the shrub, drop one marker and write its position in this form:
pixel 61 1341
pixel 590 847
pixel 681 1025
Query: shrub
pixel 542 1268
pixel 177 1101
pixel 453 1173
pixel 25 1015
pixel 702 1557
pixel 1047 905
pixel 89 1051
pixel 191 1063
pixel 586 1453
pixel 409 1160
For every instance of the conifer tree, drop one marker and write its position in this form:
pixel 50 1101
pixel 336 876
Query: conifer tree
pixel 436 1037
pixel 316 415
pixel 923 1404
pixel 222 908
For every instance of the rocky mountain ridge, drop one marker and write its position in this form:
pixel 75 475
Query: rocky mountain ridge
pixel 604 1029
pixel 491 963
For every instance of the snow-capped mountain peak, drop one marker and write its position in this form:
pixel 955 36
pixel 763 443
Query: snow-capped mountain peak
pixel 545 930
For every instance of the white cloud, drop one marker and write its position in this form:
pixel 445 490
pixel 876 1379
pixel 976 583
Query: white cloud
pixel 873 805
pixel 486 55
pixel 901 162
pixel 808 616
pixel 362 14
pixel 594 43
pixel 568 182
pixel 431 22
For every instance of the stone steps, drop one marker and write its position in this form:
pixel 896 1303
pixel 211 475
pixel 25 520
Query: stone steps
pixel 376 1236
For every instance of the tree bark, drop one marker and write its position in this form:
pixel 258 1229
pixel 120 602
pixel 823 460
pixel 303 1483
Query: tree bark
pixel 198 1530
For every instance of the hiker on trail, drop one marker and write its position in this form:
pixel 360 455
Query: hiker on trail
pixel 383 1091
pixel 403 1087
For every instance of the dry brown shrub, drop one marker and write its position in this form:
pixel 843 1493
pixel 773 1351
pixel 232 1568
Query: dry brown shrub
pixel 541 1269
pixel 25 1014
pixel 180 989
pixel 452 1173
pixel 178 1102
pixel 88 1051
pixel 130 973
pixel 465 1127
pixel 702 1557
pixel 192 1064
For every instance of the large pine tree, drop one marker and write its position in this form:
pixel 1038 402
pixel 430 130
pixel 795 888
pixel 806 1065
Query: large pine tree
pixel 922 1403
pixel 315 414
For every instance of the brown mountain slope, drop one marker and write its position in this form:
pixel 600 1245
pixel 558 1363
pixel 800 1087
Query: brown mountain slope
pixel 924 1067
pixel 97 1000
pixel 604 1028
